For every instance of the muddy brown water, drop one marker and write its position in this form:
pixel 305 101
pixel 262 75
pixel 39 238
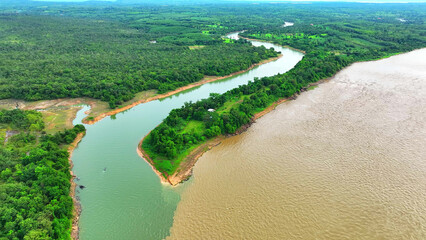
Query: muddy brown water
pixel 346 160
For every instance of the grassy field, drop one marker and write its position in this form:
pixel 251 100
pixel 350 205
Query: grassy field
pixel 312 87
pixel 59 119
pixel 159 160
pixel 196 47
pixel 58 114
pixel 194 127
pixel 229 104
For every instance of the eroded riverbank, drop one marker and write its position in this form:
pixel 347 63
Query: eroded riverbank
pixel 345 160
pixel 205 80
pixel 77 207
pixel 60 113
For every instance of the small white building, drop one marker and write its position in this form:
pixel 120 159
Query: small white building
pixel 210 110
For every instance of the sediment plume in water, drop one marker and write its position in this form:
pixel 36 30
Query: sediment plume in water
pixel 346 160
pixel 128 201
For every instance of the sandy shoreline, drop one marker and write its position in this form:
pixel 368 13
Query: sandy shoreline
pixel 164 95
pixel 77 207
pixel 185 169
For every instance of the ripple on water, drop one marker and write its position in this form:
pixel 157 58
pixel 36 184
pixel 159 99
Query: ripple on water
pixel 344 161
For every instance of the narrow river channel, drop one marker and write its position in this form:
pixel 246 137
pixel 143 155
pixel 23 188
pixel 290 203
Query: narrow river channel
pixel 123 198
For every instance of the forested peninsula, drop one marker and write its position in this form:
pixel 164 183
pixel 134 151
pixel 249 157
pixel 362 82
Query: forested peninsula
pixel 332 38
pixel 86 52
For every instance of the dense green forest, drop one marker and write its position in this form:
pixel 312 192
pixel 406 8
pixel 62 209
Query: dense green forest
pixel 110 56
pixel 107 51
pixel 112 51
pixel 332 37
pixel 34 178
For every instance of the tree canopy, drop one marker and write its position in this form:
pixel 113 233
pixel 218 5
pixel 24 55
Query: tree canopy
pixel 34 179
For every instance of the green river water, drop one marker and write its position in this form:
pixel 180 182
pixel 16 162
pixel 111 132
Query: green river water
pixel 127 201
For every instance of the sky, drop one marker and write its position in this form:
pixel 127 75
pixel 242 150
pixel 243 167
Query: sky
pixel 376 1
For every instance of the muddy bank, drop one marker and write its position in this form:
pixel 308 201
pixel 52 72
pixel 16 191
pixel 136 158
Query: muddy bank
pixel 185 169
pixel 77 206
pixel 40 105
